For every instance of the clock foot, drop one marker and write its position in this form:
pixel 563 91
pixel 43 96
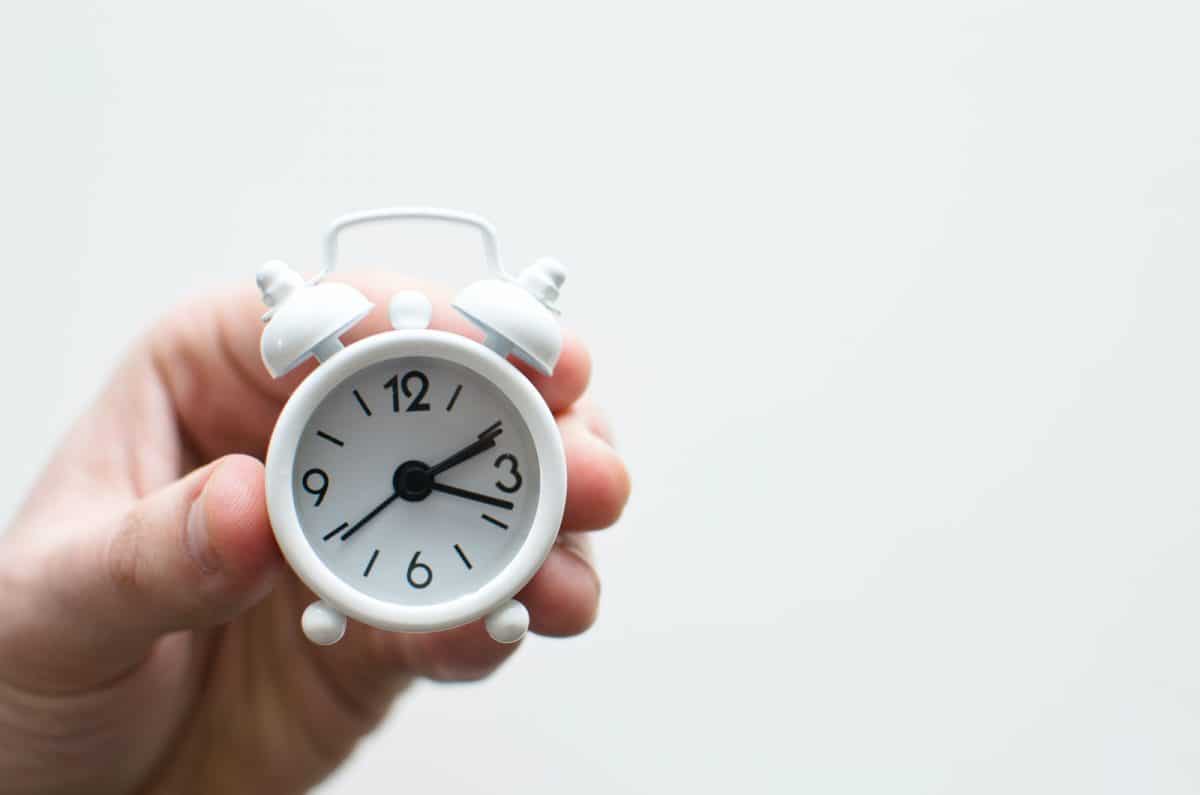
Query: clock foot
pixel 508 622
pixel 322 624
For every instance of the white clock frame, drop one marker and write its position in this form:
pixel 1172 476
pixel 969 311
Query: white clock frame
pixel 517 317
pixel 280 481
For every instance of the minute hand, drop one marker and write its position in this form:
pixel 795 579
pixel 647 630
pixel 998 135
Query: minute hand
pixel 486 440
pixel 374 512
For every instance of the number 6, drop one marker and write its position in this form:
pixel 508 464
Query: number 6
pixel 413 565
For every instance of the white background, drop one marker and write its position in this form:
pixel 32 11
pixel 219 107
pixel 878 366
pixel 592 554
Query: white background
pixel 893 306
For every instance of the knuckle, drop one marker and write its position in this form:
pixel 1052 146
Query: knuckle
pixel 586 618
pixel 466 670
pixel 620 487
pixel 610 490
pixel 583 365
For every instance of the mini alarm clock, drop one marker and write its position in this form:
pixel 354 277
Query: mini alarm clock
pixel 415 479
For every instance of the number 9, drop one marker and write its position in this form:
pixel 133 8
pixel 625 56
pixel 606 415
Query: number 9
pixel 319 490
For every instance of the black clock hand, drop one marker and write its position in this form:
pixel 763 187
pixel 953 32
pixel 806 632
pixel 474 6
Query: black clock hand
pixel 419 488
pixel 472 495
pixel 375 512
pixel 486 440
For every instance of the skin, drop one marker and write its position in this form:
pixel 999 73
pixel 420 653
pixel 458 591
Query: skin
pixel 149 629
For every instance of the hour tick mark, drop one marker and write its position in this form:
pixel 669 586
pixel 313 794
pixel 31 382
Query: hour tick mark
pixel 370 563
pixel 329 438
pixel 335 531
pixel 454 397
pixel 494 521
pixel 366 409
pixel 463 555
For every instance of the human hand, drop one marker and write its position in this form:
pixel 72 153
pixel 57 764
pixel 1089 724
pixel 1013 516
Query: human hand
pixel 149 630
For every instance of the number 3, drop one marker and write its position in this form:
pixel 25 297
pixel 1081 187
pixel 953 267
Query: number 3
pixel 512 470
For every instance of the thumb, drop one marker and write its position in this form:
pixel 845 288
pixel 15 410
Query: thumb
pixel 193 554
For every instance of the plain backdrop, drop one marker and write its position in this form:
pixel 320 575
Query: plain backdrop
pixel 892 305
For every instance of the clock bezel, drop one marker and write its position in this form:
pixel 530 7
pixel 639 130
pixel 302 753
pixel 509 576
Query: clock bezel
pixel 280 485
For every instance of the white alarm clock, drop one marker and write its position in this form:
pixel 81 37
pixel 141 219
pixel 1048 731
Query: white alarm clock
pixel 416 479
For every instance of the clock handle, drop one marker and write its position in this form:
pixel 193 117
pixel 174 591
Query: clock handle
pixel 491 250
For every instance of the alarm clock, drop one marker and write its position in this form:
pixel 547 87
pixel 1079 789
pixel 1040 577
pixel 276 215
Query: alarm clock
pixel 416 479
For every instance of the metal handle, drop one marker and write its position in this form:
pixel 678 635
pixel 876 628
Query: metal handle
pixel 491 250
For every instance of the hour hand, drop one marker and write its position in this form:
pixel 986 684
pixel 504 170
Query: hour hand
pixel 472 495
pixel 485 441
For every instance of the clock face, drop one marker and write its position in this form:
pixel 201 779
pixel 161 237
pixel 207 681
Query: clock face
pixel 416 480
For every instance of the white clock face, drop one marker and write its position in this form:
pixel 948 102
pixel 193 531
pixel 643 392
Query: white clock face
pixel 416 480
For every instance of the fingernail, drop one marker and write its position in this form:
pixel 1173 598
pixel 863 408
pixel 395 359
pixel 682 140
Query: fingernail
pixel 583 551
pixel 198 542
